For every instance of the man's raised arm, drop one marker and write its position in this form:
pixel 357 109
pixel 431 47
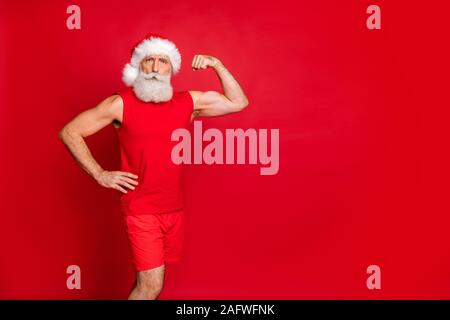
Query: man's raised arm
pixel 212 103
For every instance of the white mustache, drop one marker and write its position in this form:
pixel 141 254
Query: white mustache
pixel 154 76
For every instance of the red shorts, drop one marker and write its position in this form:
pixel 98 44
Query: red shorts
pixel 155 238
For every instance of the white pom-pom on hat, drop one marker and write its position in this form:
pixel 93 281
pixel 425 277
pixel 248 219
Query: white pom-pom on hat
pixel 152 44
pixel 129 74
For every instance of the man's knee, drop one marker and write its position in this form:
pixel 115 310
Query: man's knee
pixel 151 287
pixel 151 282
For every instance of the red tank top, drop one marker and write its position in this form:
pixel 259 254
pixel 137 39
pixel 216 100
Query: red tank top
pixel 145 150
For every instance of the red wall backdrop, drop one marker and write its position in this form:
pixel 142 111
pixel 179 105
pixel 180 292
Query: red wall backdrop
pixel 364 150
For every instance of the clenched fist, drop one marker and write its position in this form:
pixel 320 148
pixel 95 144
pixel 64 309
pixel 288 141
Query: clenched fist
pixel 202 61
pixel 117 180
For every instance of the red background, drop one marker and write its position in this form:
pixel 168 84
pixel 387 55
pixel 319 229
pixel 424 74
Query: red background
pixel 364 150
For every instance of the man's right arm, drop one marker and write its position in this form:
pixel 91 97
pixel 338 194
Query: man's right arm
pixel 87 123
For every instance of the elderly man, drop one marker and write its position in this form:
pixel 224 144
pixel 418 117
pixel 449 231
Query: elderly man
pixel 144 116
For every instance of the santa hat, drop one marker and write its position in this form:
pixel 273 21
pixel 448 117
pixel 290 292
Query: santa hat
pixel 151 44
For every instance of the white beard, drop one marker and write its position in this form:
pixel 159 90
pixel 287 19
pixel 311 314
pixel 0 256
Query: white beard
pixel 153 87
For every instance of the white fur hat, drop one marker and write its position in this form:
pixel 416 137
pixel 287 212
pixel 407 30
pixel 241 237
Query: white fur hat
pixel 152 44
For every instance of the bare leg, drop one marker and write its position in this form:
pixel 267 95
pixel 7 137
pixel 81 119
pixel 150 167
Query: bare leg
pixel 149 284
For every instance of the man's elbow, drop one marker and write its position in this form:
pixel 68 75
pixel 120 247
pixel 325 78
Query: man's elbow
pixel 242 105
pixel 61 134
pixel 64 135
pixel 245 104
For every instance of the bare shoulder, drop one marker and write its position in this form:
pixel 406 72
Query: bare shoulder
pixel 204 97
pixel 194 94
pixel 112 102
pixel 112 107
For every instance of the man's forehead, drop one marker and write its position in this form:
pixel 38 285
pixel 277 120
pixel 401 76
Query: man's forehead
pixel 160 56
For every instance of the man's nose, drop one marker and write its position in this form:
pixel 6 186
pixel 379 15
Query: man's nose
pixel 155 65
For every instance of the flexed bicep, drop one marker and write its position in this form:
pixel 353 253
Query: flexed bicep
pixel 212 104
